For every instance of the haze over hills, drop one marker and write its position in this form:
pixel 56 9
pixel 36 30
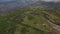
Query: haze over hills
pixel 13 4
pixel 9 5
pixel 50 4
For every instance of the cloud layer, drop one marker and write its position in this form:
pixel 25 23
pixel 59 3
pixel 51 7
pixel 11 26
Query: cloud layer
pixel 5 0
pixel 51 0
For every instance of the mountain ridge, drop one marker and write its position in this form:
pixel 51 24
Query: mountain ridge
pixel 20 3
pixel 50 4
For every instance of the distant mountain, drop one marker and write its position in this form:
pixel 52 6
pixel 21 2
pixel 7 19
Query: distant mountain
pixel 5 6
pixel 50 4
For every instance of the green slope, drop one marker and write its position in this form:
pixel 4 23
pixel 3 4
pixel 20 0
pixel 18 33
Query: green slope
pixel 28 20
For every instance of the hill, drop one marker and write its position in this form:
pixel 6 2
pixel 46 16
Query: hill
pixel 30 20
pixel 10 5
pixel 50 4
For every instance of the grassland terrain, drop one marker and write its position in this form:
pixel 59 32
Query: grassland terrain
pixel 30 20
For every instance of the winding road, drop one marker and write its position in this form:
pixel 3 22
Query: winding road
pixel 55 24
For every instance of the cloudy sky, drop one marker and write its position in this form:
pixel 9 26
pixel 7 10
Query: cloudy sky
pixel 33 0
pixel 51 0
pixel 5 0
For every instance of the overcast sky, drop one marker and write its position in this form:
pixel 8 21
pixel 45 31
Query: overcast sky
pixel 33 0
pixel 5 0
pixel 51 0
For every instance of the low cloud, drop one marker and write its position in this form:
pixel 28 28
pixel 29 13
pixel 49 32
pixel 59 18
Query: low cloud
pixel 51 0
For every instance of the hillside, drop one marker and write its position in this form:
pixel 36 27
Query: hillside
pixel 30 20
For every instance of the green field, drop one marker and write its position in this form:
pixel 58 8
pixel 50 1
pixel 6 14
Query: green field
pixel 29 20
